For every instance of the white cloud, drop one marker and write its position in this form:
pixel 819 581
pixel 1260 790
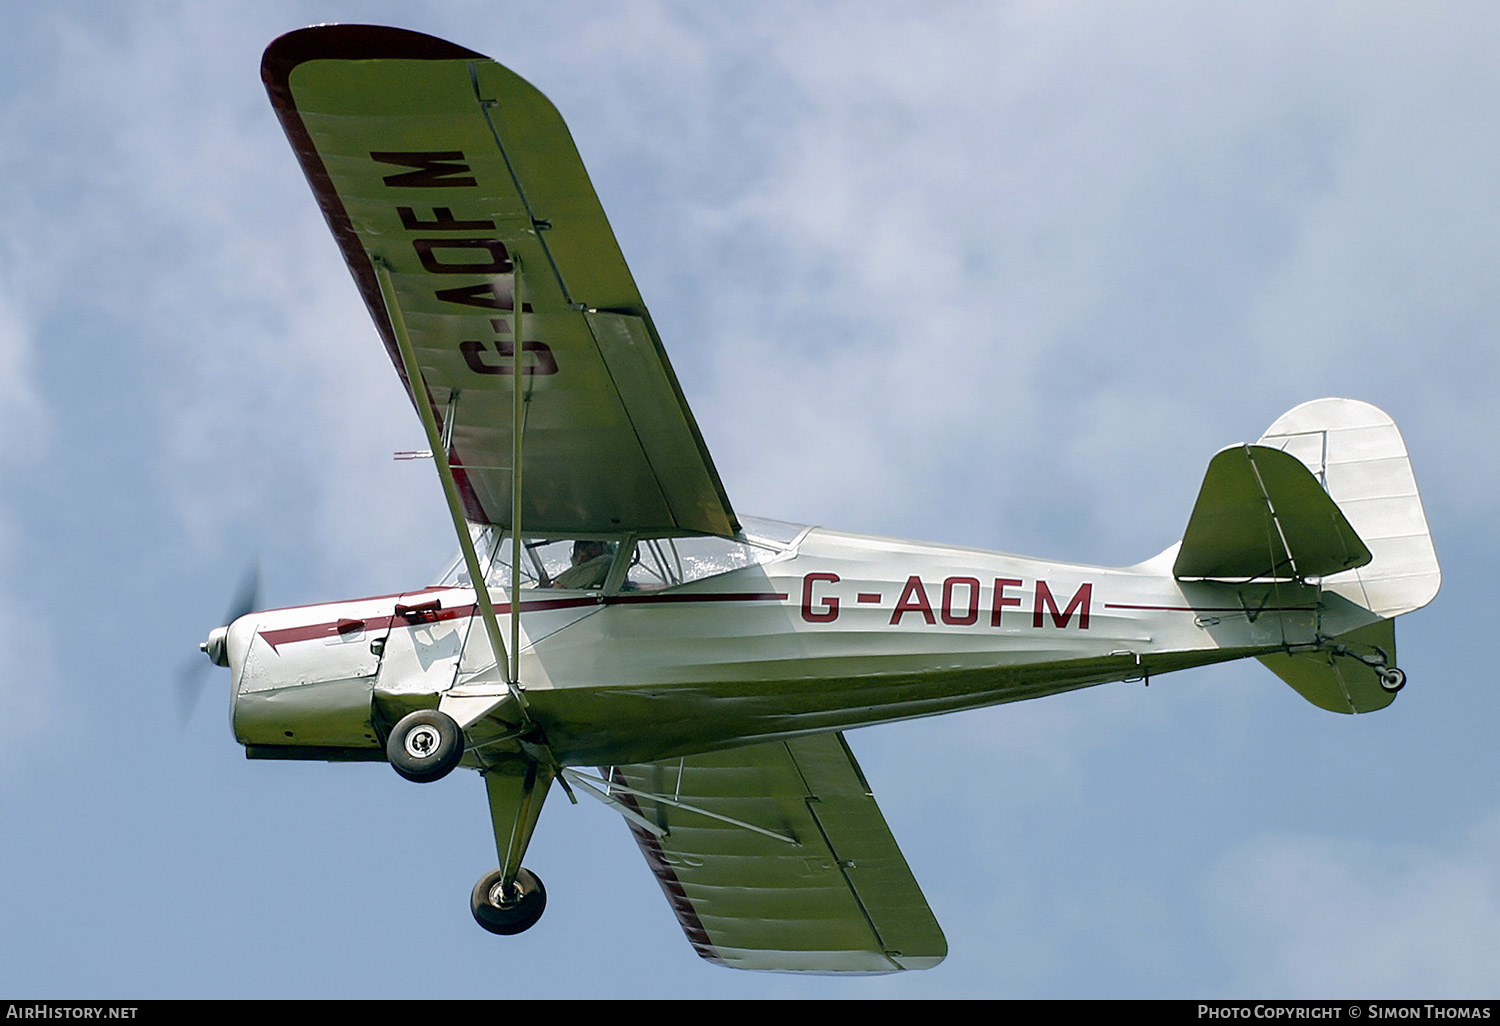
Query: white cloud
pixel 1313 916
pixel 263 383
pixel 25 668
pixel 1084 252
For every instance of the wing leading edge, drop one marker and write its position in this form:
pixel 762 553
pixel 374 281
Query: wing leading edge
pixel 798 872
pixel 462 181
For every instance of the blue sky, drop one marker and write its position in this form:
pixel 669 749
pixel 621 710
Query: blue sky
pixel 998 274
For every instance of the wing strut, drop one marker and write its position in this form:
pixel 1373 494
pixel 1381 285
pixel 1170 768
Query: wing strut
pixel 517 423
pixel 423 403
pixel 607 797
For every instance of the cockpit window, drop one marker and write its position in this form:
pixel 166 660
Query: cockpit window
pixel 654 563
pixel 572 563
pixel 667 562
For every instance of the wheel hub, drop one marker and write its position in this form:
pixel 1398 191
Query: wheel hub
pixel 500 898
pixel 422 741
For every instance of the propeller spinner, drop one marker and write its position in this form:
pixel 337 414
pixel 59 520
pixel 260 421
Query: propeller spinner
pixel 190 681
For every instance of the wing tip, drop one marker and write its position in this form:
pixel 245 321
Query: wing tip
pixel 355 43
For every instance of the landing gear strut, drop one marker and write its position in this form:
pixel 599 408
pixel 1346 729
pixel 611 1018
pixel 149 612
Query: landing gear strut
pixel 508 910
pixel 1391 679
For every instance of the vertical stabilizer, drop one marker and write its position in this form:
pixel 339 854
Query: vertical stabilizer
pixel 1358 454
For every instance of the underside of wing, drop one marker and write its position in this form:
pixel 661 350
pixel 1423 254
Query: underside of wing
pixel 455 182
pixel 1261 513
pixel 776 857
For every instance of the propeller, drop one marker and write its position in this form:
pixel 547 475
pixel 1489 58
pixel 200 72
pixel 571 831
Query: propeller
pixel 247 599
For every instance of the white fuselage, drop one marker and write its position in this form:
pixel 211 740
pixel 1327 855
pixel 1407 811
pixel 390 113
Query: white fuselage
pixel 836 631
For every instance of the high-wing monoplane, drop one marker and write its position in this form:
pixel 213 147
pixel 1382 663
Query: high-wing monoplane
pixel 613 627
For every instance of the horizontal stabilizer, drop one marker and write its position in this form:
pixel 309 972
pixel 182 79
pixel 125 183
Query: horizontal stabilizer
pixel 1261 513
pixel 1342 681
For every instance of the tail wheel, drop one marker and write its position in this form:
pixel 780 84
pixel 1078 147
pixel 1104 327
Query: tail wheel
pixel 425 745
pixel 508 910
pixel 1392 679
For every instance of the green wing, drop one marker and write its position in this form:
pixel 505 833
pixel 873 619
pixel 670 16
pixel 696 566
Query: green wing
pixel 452 172
pixel 798 874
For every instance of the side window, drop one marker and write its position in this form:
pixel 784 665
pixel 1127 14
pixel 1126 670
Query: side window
pixel 580 564
pixel 484 539
pixel 705 557
pixel 545 563
pixel 654 565
pixel 665 562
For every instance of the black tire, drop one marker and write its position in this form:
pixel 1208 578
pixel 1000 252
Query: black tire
pixel 1392 679
pixel 517 913
pixel 425 745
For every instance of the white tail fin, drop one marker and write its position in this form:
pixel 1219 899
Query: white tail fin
pixel 1355 450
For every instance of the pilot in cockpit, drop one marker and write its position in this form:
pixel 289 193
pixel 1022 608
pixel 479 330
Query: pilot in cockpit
pixel 591 562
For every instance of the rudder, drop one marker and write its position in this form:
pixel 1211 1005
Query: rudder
pixel 1357 453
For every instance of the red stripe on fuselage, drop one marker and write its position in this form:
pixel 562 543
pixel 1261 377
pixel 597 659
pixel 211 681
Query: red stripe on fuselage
pixel 328 629
pixel 1211 609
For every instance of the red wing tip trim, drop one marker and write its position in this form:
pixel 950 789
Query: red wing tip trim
pixel 677 897
pixel 356 43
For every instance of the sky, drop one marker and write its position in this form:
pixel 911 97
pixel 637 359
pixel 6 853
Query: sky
pixel 993 274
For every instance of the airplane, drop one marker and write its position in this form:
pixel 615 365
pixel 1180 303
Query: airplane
pixel 612 626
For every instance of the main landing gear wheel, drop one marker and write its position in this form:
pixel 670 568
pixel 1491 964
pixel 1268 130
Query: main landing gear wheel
pixel 1392 679
pixel 425 745
pixel 510 911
